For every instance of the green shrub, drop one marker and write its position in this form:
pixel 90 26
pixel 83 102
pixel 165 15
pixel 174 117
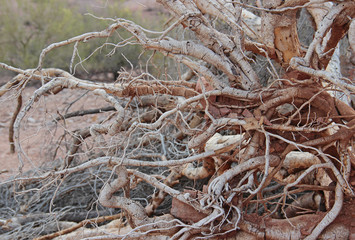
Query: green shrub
pixel 28 26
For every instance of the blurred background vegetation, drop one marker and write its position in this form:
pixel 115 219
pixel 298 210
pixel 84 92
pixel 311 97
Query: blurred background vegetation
pixel 28 26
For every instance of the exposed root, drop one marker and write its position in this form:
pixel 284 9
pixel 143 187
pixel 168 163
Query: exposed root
pixel 259 161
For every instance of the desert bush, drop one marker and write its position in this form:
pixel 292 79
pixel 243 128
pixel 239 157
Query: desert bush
pixel 24 34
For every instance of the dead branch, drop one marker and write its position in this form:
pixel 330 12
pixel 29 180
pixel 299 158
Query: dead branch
pixel 247 151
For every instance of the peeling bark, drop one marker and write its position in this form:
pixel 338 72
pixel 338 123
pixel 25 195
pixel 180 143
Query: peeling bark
pixel 270 154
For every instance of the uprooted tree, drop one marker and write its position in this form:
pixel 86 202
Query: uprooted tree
pixel 276 153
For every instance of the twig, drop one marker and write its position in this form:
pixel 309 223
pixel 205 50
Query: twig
pixel 11 127
pixel 84 112
pixel 79 225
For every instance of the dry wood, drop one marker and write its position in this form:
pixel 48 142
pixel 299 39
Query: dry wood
pixel 275 150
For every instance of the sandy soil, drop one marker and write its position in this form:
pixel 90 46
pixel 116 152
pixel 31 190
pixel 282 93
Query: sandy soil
pixel 39 134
